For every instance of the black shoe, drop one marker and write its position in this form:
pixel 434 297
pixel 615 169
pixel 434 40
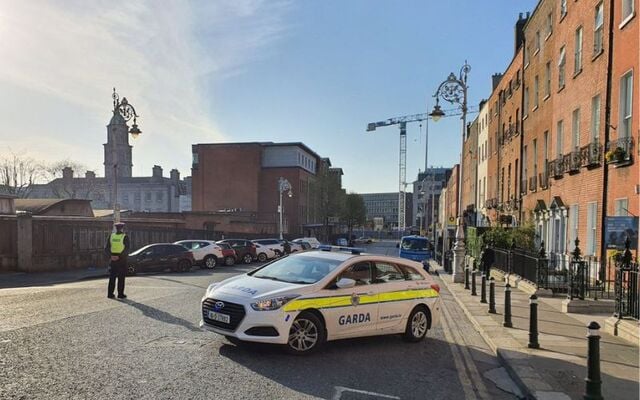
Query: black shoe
pixel 122 296
pixel 110 296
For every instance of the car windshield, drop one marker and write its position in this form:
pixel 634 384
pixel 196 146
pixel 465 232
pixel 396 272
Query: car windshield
pixel 299 269
pixel 414 244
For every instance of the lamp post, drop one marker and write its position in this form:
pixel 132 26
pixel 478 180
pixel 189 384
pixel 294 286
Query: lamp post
pixel 454 90
pixel 283 186
pixel 127 111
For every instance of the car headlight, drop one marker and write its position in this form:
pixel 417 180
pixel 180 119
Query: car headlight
pixel 272 304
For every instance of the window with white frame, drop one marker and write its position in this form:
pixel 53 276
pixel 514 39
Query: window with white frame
pixel 561 66
pixel 546 150
pixel 577 66
pixel 535 158
pixel 575 129
pixel 622 207
pixel 628 9
pixel 526 102
pixel 537 41
pixel 536 90
pixel 563 8
pixel 574 215
pixel 626 100
pixel 592 214
pixel 547 79
pixel 559 138
pixel 549 24
pixel 598 32
pixel 595 118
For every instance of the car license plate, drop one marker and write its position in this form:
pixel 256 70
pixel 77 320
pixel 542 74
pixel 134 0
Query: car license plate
pixel 219 317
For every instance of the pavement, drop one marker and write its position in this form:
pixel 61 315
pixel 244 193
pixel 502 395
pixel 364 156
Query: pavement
pixel 67 340
pixel 26 279
pixel 557 370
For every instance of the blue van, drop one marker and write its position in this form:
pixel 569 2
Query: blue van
pixel 416 248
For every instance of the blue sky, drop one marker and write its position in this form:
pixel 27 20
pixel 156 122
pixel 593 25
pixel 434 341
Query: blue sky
pixel 310 71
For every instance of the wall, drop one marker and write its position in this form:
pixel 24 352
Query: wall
pixel 226 176
pixel 482 167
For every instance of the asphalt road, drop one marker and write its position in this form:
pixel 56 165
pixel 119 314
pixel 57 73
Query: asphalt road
pixel 69 341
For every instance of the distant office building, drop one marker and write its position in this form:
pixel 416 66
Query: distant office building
pixel 385 206
pixel 426 195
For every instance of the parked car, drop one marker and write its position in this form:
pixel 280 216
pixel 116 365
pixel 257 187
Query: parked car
pixel 160 257
pixel 293 247
pixel 305 245
pixel 313 242
pixel 206 253
pixel 273 244
pixel 245 249
pixel 228 253
pixel 264 253
pixel 364 240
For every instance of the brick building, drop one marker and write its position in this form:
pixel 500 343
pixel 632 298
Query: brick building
pixel 621 170
pixel 573 126
pixel 243 178
pixel 470 174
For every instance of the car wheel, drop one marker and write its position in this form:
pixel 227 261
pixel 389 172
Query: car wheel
pixel 184 266
pixel 131 270
pixel 210 262
pixel 417 325
pixel 247 258
pixel 306 335
pixel 262 257
pixel 278 253
pixel 229 261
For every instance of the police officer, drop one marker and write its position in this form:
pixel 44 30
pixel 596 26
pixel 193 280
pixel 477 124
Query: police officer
pixel 117 248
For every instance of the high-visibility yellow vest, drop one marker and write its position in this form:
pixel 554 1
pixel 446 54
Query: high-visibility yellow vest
pixel 117 243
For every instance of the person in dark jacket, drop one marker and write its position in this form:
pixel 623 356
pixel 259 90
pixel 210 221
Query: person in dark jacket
pixel 118 249
pixel 487 259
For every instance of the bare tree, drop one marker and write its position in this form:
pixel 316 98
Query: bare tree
pixel 18 174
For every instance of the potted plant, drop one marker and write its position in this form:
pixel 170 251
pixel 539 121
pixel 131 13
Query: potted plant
pixel 616 155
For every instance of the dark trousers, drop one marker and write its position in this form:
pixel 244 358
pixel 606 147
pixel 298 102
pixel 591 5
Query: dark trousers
pixel 118 270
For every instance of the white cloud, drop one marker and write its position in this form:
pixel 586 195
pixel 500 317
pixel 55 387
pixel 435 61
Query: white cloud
pixel 162 55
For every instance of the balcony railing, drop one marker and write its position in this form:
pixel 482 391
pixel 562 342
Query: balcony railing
pixel 591 154
pixel 620 151
pixel 543 179
pixel 575 161
pixel 533 186
pixel 556 167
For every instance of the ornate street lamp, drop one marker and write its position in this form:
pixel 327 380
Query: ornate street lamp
pixel 454 90
pixel 127 111
pixel 283 186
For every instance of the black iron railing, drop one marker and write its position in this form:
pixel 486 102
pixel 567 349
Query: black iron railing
pixel 626 286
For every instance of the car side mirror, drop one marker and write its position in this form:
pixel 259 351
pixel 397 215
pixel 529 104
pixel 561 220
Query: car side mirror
pixel 345 283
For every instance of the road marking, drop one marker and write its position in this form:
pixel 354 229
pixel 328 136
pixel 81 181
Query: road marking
pixel 341 389
pixel 457 341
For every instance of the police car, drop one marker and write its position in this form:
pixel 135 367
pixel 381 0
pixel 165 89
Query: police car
pixel 305 299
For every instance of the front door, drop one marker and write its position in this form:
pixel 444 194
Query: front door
pixel 354 311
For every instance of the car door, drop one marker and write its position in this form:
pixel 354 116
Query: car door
pixel 355 310
pixel 394 293
pixel 149 259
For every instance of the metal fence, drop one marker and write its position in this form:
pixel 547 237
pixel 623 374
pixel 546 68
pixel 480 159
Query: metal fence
pixel 573 275
pixel 627 280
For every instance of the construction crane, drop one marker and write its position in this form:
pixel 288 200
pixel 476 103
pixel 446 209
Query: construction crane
pixel 402 181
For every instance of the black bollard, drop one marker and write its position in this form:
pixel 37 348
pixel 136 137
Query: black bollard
pixel 533 322
pixel 492 296
pixel 483 289
pixel 594 383
pixel 473 283
pixel 507 307
pixel 466 278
